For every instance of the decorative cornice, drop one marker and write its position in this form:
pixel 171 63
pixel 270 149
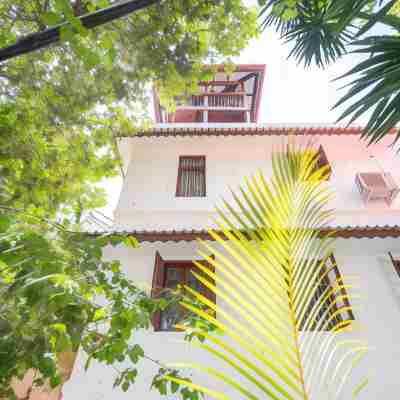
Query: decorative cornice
pixel 349 232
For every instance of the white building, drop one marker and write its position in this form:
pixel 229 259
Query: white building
pixel 177 172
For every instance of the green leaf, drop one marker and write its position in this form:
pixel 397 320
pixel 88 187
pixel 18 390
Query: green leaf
pixel 3 265
pixel 174 387
pixel 55 381
pixel 131 241
pixel 162 387
pixel 59 327
pixel 136 353
pixel 100 314
pixel 47 366
pixel 67 33
pixel 51 18
pixel 125 386
pixel 131 375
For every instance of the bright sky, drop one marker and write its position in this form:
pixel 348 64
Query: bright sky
pixel 291 94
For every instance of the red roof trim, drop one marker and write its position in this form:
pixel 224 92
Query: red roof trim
pixel 239 67
pixel 368 232
pixel 249 131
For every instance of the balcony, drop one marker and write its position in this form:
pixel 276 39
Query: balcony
pixel 212 101
pixel 226 98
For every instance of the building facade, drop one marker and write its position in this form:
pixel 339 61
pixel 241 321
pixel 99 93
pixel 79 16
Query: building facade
pixel 177 173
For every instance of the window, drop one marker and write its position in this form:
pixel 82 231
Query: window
pixel 329 280
pixel 168 275
pixel 322 161
pixel 191 176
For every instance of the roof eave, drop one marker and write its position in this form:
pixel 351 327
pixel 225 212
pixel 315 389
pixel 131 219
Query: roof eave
pixel 349 232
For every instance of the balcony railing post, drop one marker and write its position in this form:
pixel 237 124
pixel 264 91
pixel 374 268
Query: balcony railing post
pixel 205 112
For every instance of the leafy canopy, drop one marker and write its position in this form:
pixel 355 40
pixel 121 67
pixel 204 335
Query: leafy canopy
pixel 59 293
pixel 324 30
pixel 60 110
pixel 61 107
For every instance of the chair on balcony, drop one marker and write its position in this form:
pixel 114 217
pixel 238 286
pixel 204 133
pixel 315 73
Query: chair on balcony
pixel 377 186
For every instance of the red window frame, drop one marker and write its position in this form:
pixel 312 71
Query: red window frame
pixel 344 316
pixel 180 190
pixel 161 267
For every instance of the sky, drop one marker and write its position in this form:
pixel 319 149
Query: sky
pixel 291 94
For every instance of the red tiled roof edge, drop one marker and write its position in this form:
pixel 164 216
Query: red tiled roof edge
pixel 248 131
pixel 368 232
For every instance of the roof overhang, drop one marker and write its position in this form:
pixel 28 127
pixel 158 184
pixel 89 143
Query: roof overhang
pixel 350 232
pixel 194 130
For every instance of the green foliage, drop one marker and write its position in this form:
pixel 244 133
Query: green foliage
pixel 61 107
pixel 282 338
pixel 60 110
pixel 396 8
pixel 180 386
pixel 57 294
pixel 383 95
pixel 322 31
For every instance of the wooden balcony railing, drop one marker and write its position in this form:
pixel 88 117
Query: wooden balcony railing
pixel 212 101
pixel 215 101
pixel 216 96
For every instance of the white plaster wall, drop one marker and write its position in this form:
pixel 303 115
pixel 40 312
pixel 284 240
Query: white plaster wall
pixel 167 347
pixel 378 314
pixel 148 197
pixel 148 202
pixel 125 152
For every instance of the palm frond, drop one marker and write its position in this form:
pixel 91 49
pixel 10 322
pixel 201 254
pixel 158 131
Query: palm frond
pixel 284 337
pixel 320 30
pixel 377 81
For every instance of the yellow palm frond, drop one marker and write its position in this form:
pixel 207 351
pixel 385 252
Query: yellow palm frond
pixel 284 335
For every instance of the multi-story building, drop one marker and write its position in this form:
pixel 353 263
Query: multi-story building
pixel 178 171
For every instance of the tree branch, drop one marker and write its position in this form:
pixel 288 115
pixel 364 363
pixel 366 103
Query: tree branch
pixel 44 38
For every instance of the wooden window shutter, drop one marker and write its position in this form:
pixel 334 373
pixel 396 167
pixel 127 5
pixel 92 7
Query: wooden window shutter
pixel 157 286
pixel 191 180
